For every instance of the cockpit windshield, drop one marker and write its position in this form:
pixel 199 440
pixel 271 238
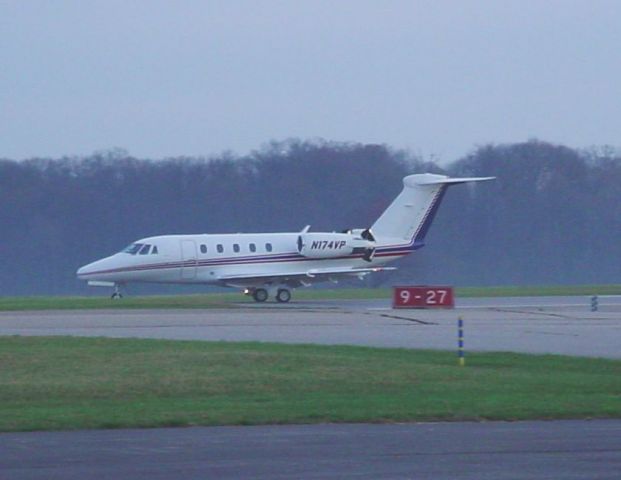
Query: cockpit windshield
pixel 133 248
pixel 141 248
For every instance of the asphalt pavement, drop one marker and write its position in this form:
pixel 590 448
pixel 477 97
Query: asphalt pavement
pixel 456 451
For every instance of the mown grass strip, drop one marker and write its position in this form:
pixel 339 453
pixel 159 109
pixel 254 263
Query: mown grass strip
pixel 77 383
pixel 227 300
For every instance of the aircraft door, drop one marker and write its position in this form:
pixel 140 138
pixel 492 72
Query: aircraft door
pixel 188 256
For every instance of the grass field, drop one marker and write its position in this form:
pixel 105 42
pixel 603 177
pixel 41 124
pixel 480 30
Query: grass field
pixel 76 383
pixel 228 300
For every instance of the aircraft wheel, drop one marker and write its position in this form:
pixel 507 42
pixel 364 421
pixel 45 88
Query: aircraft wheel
pixel 283 295
pixel 260 295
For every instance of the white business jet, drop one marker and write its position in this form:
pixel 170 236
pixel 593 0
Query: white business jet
pixel 271 264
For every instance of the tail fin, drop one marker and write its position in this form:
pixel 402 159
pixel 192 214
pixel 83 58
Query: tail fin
pixel 409 216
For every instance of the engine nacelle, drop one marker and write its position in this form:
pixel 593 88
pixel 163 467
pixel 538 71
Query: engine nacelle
pixel 331 245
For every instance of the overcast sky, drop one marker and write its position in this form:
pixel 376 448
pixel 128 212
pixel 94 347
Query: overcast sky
pixel 170 78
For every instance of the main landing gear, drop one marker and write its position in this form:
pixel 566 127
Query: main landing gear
pixel 260 295
pixel 283 295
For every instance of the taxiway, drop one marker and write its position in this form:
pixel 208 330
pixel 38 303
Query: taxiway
pixel 438 451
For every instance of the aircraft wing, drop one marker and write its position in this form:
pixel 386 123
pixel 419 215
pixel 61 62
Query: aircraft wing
pixel 298 278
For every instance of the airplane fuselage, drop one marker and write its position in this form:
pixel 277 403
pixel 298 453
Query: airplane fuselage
pixel 264 263
pixel 219 258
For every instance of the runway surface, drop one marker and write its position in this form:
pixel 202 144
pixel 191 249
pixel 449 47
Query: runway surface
pixel 561 325
pixel 464 451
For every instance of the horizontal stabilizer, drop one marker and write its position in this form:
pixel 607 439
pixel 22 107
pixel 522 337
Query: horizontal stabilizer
pixel 424 180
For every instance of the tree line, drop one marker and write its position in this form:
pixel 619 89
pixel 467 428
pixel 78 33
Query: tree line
pixel 552 216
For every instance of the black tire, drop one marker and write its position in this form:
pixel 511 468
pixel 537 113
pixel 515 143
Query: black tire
pixel 283 295
pixel 260 295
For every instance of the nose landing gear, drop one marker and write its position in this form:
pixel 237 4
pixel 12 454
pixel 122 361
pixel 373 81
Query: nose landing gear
pixel 117 292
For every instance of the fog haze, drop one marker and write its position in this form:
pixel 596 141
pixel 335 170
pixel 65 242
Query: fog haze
pixel 552 216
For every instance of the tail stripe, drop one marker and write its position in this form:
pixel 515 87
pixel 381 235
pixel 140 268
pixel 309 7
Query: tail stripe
pixel 423 228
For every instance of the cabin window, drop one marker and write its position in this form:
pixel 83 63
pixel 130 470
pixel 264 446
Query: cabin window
pixel 236 247
pixel 220 248
pixel 154 251
pixel 133 248
pixel 203 248
pixel 145 249
pixel 252 247
pixel 268 247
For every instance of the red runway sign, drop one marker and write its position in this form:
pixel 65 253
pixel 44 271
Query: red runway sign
pixel 423 296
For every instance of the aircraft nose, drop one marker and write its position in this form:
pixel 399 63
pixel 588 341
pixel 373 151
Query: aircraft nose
pixel 84 271
pixel 101 269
